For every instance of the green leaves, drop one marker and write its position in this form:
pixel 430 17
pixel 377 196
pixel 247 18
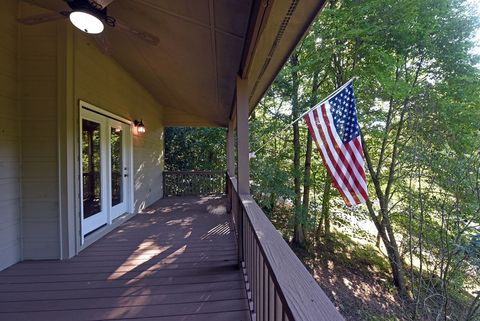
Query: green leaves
pixel 418 96
pixel 195 148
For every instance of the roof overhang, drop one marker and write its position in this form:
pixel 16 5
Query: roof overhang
pixel 203 46
pixel 281 25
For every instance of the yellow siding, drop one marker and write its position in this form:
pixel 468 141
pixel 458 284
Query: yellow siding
pixel 44 71
pixel 99 80
pixel 38 99
pixel 10 248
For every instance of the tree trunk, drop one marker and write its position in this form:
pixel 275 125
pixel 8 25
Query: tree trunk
pixel 308 152
pixel 326 206
pixel 298 232
pixel 382 220
pixel 306 175
pixel 385 230
pixel 324 222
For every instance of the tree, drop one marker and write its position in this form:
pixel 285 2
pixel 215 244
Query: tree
pixel 195 148
pixel 418 102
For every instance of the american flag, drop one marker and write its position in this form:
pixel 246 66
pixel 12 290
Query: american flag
pixel 334 128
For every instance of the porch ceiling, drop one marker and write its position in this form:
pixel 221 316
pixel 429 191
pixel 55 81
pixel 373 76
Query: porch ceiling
pixel 203 45
pixel 192 70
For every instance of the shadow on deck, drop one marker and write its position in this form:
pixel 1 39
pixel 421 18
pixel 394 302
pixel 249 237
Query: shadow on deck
pixel 176 261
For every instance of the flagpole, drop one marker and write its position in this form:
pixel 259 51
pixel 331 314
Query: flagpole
pixel 320 103
pixel 328 97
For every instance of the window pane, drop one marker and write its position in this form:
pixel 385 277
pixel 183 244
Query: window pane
pixel 116 159
pixel 91 163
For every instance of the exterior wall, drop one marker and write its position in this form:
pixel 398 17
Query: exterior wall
pixel 99 80
pixel 38 99
pixel 44 71
pixel 10 150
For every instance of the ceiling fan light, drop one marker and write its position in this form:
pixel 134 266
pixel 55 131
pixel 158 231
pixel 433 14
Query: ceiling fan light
pixel 86 22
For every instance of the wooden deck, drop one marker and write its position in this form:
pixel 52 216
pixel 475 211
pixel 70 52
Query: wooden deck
pixel 175 262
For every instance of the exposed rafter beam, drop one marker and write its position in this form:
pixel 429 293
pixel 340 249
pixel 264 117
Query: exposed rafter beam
pixel 214 48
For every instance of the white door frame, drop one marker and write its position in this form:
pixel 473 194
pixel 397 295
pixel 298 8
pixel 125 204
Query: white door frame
pixel 119 209
pixel 93 222
pixel 94 113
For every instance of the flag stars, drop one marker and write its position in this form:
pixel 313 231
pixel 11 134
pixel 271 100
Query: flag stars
pixel 342 109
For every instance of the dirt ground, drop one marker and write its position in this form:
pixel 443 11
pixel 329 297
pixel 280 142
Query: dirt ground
pixel 356 288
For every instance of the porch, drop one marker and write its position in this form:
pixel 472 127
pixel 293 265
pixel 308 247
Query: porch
pixel 175 261
pixel 180 258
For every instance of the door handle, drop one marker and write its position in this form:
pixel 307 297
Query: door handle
pixel 125 175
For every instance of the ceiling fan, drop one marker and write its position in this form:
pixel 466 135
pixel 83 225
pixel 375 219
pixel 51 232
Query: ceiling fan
pixel 90 16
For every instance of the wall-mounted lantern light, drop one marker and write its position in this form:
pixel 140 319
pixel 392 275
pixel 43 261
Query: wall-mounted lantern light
pixel 140 126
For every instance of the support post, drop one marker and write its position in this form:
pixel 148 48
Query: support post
pixel 243 168
pixel 242 110
pixel 230 161
pixel 231 149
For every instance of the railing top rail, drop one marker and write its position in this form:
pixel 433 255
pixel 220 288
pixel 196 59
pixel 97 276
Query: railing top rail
pixel 304 297
pixel 194 172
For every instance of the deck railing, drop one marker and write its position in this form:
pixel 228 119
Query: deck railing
pixel 279 286
pixel 183 183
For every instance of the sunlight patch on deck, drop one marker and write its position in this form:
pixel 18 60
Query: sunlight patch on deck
pixel 171 258
pixel 217 210
pixel 144 253
pixel 220 229
pixel 182 222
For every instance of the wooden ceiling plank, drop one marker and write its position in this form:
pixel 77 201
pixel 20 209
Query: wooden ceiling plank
pixel 228 33
pixel 173 14
pixel 188 19
pixel 160 81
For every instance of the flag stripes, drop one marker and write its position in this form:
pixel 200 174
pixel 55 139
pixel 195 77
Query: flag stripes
pixel 350 158
pixel 338 141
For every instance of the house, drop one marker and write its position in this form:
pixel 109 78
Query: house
pixel 75 163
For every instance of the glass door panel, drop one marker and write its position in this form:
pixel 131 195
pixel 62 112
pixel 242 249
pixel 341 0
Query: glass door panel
pixel 93 172
pixel 118 167
pixel 116 170
pixel 91 167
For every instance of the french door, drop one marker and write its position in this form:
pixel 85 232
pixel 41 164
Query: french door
pixel 105 150
pixel 118 167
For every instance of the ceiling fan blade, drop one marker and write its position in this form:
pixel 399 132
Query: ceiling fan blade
pixel 102 43
pixel 102 3
pixel 143 35
pixel 52 5
pixel 41 18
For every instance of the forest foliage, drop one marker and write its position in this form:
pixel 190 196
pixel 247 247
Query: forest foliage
pixel 418 101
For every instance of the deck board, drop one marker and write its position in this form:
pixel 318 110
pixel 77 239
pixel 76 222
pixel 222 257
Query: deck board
pixel 175 261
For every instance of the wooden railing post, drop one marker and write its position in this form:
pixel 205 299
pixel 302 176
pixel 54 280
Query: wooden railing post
pixel 240 232
pixel 228 191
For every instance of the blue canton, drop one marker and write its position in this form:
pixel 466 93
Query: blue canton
pixel 344 113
